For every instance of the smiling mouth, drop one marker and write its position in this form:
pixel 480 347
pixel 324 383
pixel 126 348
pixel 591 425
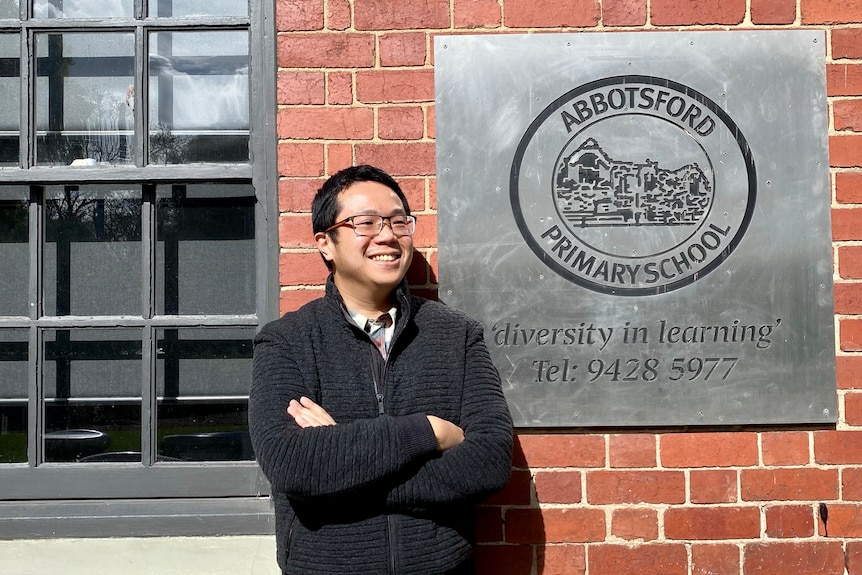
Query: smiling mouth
pixel 385 258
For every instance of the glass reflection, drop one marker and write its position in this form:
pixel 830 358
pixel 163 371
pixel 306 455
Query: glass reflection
pixel 186 8
pixel 93 251
pixel 92 385
pixel 202 388
pixel 205 252
pixel 13 395
pixel 83 8
pixel 14 251
pixel 85 98
pixel 9 9
pixel 199 105
pixel 10 87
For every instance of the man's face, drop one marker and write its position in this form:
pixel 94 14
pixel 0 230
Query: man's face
pixel 370 267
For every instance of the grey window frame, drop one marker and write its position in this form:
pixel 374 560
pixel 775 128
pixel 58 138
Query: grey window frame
pixel 118 499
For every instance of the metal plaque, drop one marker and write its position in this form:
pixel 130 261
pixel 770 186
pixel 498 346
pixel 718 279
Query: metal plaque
pixel 642 223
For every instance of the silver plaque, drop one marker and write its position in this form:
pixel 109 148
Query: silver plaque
pixel 642 223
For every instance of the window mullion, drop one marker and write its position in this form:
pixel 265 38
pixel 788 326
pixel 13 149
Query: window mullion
pixel 141 95
pixel 35 405
pixel 148 339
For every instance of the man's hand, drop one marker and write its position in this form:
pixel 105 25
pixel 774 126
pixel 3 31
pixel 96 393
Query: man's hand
pixel 306 413
pixel 447 433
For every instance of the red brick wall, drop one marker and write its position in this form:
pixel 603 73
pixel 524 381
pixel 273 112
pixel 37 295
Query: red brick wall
pixel 355 85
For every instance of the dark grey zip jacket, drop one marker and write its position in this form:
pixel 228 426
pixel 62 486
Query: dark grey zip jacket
pixel 371 494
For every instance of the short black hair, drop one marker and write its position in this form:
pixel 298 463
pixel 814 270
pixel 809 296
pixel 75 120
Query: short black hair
pixel 325 206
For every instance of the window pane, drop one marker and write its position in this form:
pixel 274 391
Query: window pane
pixel 92 385
pixel 205 256
pixel 14 251
pixel 85 98
pixel 184 8
pixel 198 97
pixel 10 74
pixel 92 251
pixel 202 387
pixel 9 9
pixel 83 8
pixel 13 395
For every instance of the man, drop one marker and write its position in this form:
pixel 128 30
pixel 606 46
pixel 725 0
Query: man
pixel 377 416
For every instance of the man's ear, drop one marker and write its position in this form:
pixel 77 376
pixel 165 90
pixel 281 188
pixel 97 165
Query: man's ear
pixel 324 245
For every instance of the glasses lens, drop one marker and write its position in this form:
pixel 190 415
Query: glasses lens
pixel 402 225
pixel 367 225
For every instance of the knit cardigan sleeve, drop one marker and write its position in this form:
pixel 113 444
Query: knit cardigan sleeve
pixel 322 461
pixel 480 465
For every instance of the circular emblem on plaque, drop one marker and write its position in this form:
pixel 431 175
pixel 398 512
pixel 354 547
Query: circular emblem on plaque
pixel 633 185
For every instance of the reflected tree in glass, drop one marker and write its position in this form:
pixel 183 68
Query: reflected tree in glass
pixel 14 251
pixel 83 8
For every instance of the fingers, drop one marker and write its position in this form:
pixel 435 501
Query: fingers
pixel 306 413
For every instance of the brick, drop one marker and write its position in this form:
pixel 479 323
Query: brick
pixel 843 79
pixel 325 50
pixel 425 235
pixel 847 115
pixel 784 558
pixel 848 187
pixel 399 159
pixel 850 332
pixel 708 449
pixel 789 521
pixel 400 123
pixel 845 151
pixel 399 15
pixel 558 525
pixel 433 262
pixel 338 157
pixel 414 191
pixel 713 486
pixel 299 15
pixel 489 524
pixel 788 484
pixel 773 11
pixel 649 559
pixel 847 224
pixel 299 88
pixel 632 450
pixel 295 195
pixel 718 559
pixel 477 14
pixel 339 88
pixel 850 262
pixel 845 520
pixel 403 49
pixel 295 232
pixel 848 370
pixel 635 523
pixel 551 13
pixel 338 14
pixel 712 523
pixel 837 447
pixel 430 123
pixel 305 160
pixel 298 269
pixel 558 486
pixel 624 12
pixel 853 557
pixel 831 11
pixel 613 487
pixel 688 13
pixel 785 448
pixel 291 300
pixel 851 484
pixel 504 559
pixel 848 298
pixel 561 560
pixel 847 43
pixel 518 490
pixel 395 85
pixel 560 451
pixel 853 409
pixel 326 123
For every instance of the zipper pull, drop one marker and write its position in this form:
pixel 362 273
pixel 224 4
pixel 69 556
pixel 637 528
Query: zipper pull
pixel 380 404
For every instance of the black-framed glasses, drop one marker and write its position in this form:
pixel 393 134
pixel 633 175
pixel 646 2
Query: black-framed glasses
pixel 370 225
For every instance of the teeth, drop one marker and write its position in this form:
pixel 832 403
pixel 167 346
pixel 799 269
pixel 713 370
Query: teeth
pixel 383 258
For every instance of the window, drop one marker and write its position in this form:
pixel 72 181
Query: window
pixel 138 261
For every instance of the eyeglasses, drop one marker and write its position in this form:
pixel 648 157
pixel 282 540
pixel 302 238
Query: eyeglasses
pixel 370 226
